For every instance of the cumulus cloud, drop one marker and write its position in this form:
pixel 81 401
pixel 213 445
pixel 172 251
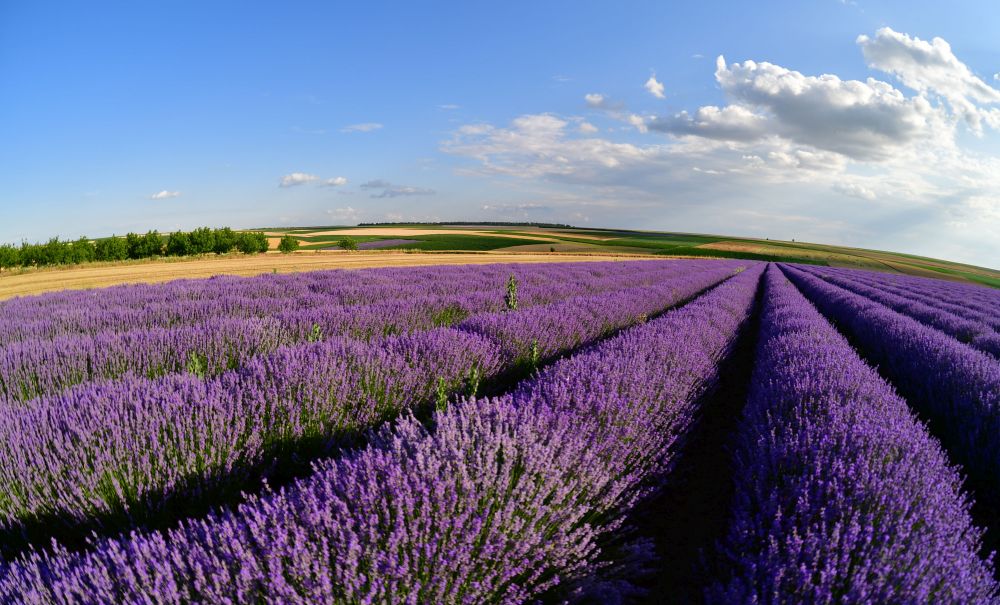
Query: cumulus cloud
pixel 638 122
pixel 347 214
pixel 855 190
pixel 789 155
pixel 932 67
pixel 363 127
pixel 540 145
pixel 863 120
pixel 515 209
pixel 730 123
pixel 655 88
pixel 595 100
pixel 165 195
pixel 390 191
pixel 586 128
pixel 404 190
pixel 297 178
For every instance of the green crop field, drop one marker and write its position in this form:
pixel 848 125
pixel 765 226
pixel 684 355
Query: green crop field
pixel 562 239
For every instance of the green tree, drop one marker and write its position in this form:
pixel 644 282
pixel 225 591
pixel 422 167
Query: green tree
pixel 147 246
pixel 179 244
pixel 55 252
pixel 202 240
pixel 111 249
pixel 251 242
pixel 83 251
pixel 288 244
pixel 133 241
pixel 10 256
pixel 348 243
pixel 225 240
pixel 30 254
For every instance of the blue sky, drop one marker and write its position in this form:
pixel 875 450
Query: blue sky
pixel 131 116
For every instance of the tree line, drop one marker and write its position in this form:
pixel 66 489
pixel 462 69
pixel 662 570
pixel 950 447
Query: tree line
pixel 203 240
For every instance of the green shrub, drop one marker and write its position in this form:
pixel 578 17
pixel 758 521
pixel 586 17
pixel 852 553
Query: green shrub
pixel 9 256
pixel 179 244
pixel 225 240
pixel 288 244
pixel 251 242
pixel 111 249
pixel 202 240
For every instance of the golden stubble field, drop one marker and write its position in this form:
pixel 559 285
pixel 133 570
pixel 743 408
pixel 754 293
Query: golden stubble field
pixel 97 275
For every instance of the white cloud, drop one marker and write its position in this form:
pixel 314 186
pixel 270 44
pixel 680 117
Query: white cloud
pixel 347 214
pixel 400 191
pixel 856 190
pixel 587 128
pixel 862 120
pixel 655 88
pixel 336 181
pixel 638 122
pixel 449 107
pixel 363 127
pixel 165 195
pixel 297 178
pixel 515 209
pixel 539 146
pixel 390 191
pixel 731 123
pixel 814 158
pixel 595 100
pixel 931 67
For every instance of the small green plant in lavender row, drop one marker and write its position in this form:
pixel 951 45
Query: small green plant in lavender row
pixel 510 299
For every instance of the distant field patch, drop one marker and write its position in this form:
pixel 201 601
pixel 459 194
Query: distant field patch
pixel 385 243
pixel 465 242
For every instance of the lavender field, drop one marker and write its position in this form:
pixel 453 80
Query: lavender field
pixel 723 431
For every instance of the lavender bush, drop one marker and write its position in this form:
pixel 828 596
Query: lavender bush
pixel 117 453
pixel 952 384
pixel 841 494
pixel 500 501
pixel 978 333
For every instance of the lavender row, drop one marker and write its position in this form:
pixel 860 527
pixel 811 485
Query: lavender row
pixel 979 298
pixel 953 385
pixel 190 302
pixel 127 451
pixel 976 333
pixel 934 293
pixel 841 494
pixel 32 369
pixel 503 500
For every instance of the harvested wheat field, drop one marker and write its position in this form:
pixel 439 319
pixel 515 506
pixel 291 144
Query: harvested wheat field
pixel 99 275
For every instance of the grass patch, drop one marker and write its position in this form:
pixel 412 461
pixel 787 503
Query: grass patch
pixel 710 253
pixel 993 282
pixel 460 241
